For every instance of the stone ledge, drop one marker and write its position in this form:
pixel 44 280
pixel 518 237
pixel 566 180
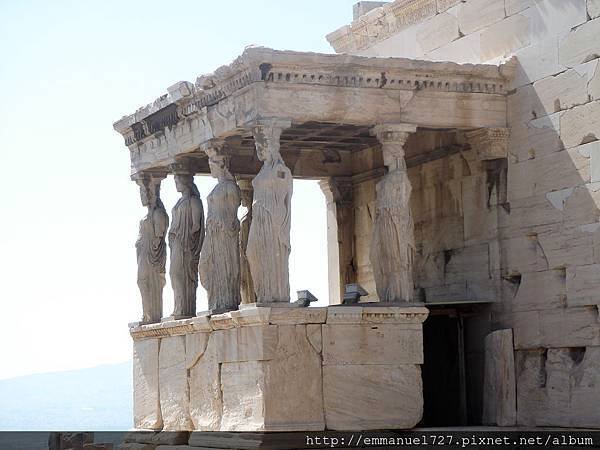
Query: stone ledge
pixel 258 316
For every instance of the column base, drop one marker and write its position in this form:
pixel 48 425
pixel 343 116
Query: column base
pixel 282 369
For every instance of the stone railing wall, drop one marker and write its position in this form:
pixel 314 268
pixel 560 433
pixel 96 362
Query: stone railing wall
pixel 281 369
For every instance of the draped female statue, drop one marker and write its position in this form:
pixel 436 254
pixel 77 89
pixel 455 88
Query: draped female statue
pixel 268 248
pixel 185 241
pixel 246 285
pixel 393 243
pixel 220 259
pixel 151 249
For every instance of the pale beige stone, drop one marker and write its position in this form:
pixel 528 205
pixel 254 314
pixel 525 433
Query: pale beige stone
pixel 593 8
pixel 443 5
pixel 581 45
pixel 571 327
pixel 550 19
pixel 561 92
pixel 283 394
pixel 582 285
pixel 537 61
pixel 499 388
pixel 174 388
pixel 477 14
pixel 297 316
pixel 594 80
pixel 466 50
pixel 560 170
pixel 437 31
pixel 372 344
pixel 372 397
pixel 515 6
pixel 540 290
pixel 505 37
pixel 558 387
pixel 146 403
pixel 206 402
pixel 246 343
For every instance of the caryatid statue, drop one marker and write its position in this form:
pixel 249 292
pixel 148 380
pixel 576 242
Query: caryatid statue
pixel 246 285
pixel 151 248
pixel 269 248
pixel 220 259
pixel 186 236
pixel 393 243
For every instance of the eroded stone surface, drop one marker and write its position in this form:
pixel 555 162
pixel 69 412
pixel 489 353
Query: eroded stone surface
pixel 372 344
pixel 558 387
pixel 174 388
pixel 146 403
pixel 499 389
pixel 372 397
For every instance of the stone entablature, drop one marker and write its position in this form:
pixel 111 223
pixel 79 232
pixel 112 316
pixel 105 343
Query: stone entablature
pixel 383 22
pixel 281 369
pixel 326 87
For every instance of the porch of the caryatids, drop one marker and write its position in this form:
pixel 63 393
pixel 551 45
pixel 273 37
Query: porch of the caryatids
pixel 393 244
pixel 151 248
pixel 186 236
pixel 268 247
pixel 220 258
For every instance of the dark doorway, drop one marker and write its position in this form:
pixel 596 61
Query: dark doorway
pixel 444 402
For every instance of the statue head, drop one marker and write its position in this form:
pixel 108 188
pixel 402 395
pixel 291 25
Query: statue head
pixel 266 140
pixel 184 182
pixel 149 190
pixel 219 165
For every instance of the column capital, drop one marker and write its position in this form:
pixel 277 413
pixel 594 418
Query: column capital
pixel 145 176
pixel 267 132
pixel 393 132
pixel 489 143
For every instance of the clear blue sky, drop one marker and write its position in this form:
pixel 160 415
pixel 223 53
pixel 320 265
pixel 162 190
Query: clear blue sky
pixel 70 214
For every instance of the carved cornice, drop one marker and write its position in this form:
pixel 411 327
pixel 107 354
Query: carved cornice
pixel 262 65
pixel 381 23
pixel 489 143
pixel 257 316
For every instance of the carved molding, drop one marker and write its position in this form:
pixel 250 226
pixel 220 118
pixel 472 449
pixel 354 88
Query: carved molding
pixel 489 143
pixel 186 101
pixel 381 23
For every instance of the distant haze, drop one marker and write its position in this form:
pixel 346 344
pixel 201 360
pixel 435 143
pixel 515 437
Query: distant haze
pixel 96 399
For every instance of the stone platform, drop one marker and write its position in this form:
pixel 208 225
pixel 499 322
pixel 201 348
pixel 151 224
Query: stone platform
pixel 281 369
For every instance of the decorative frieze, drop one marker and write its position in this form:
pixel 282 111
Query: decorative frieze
pixel 380 24
pixel 490 143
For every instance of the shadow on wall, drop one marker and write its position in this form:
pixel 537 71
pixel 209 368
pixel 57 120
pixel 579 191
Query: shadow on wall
pixel 550 242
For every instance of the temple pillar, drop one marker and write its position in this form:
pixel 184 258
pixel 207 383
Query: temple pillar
pixel 268 247
pixel 220 258
pixel 246 285
pixel 151 248
pixel 340 235
pixel 186 236
pixel 393 245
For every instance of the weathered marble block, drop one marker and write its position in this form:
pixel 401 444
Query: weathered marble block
pixel 281 369
pixel 499 388
pixel 146 406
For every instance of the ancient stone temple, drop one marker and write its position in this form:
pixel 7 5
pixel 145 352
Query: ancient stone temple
pixel 456 146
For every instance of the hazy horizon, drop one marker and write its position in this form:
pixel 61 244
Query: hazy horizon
pixel 70 211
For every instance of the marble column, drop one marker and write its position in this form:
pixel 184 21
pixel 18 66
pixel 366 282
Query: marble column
pixel 268 248
pixel 393 245
pixel 341 264
pixel 246 285
pixel 151 248
pixel 186 236
pixel 220 259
